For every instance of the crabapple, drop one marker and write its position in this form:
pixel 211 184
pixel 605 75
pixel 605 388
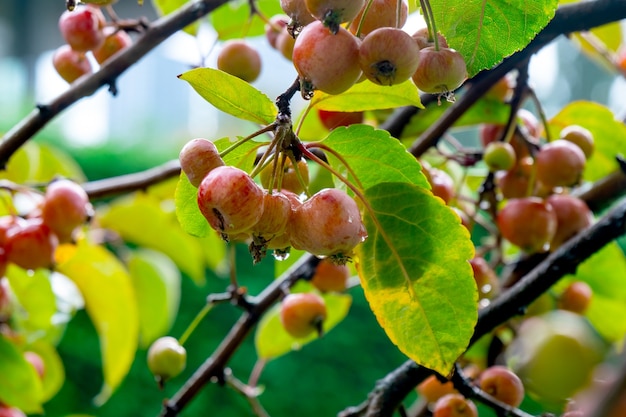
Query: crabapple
pixel 528 222
pixel 326 62
pixel 572 214
pixel 32 245
pixel 302 314
pixel 454 405
pixel 82 28
pixel 330 276
pixel 442 184
pixel 282 241
pixel 334 119
pixel 328 224
pixel 290 179
pixel 439 71
pixel 65 207
pixel 381 13
pixel 197 158
pixel 166 358
pixel 115 41
pixel 5 297
pixel 576 297
pixel 499 156
pixel 485 277
pixel 388 56
pixel 240 59
pixel 514 183
pixel 36 361
pixel 273 221
pixel 70 64
pixel 297 12
pixel 276 25
pixel 501 90
pixel 432 389
pixel 7 411
pixel 423 39
pixel 230 200
pixel 285 43
pixel 560 163
pixel 502 384
pixel 334 12
pixel 579 136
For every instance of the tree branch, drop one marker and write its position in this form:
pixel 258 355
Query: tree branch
pixel 156 33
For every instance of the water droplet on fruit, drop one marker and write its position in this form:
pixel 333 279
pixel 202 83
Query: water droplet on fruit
pixel 280 255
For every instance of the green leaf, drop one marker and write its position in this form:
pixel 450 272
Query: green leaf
pixel 271 339
pixel 369 96
pixel 231 95
pixel 54 374
pixel 142 220
pixel 20 385
pixel 34 293
pixel 374 156
pixel 165 7
pixel 110 302
pixel 156 282
pixel 487 31
pixel 242 156
pixel 608 132
pixel 232 20
pixel 189 216
pixel 40 163
pixel 416 276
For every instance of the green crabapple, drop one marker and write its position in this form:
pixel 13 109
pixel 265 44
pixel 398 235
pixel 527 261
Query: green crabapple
pixel 499 156
pixel 240 59
pixel 166 358
pixel 302 314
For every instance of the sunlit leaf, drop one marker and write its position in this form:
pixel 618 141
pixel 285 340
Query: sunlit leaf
pixel 20 386
pixel 271 339
pixel 233 19
pixel 416 276
pixel 486 31
pixel 374 156
pixel 189 216
pixel 34 293
pixel 609 135
pixel 369 96
pixel 242 156
pixel 40 163
pixel 142 221
pixel 165 7
pixel 231 95
pixel 54 372
pixel 156 282
pixel 111 305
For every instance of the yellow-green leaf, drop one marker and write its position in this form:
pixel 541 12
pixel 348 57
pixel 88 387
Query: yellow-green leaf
pixel 234 20
pixel 165 7
pixel 40 163
pixel 111 305
pixel 34 293
pixel 54 372
pixel 415 274
pixel 20 386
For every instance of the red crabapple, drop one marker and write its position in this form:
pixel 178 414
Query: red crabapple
pixel 388 56
pixel 82 28
pixel 328 224
pixel 65 207
pixel 302 314
pixel 230 200
pixel 424 41
pixel 32 245
pixel 273 221
pixel 36 361
pixel 285 43
pixel 297 12
pixel 166 358
pixel 442 184
pixel 502 384
pixel 454 405
pixel 576 297
pixel 485 277
pixel 381 13
pixel 70 64
pixel 432 389
pixel 330 276
pixel 334 12
pixel 277 24
pixel 529 223
pixel 572 214
pixel 290 179
pixel 499 156
pixel 560 163
pixel 199 157
pixel 240 59
pixel 439 71
pixel 282 241
pixel 334 119
pixel 326 62
pixel 502 90
pixel 514 183
pixel 115 41
pixel 7 411
pixel 579 136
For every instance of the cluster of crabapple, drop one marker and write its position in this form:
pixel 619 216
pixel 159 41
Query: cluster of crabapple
pixel 85 30
pixel 271 215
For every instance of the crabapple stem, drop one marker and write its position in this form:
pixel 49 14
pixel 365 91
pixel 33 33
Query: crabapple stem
pixel 235 145
pixel 338 156
pixel 367 8
pixel 196 321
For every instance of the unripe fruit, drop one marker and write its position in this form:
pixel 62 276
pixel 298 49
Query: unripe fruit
pixel 328 224
pixel 65 207
pixel 334 12
pixel 326 62
pixel 82 28
pixel 274 27
pixel 31 246
pixel 439 71
pixel 388 56
pixel 454 405
pixel 381 13
pixel 70 64
pixel 302 313
pixel 560 164
pixel 166 358
pixel 499 156
pixel 6 411
pixel 115 41
pixel 334 119
pixel 423 41
pixel 502 384
pixel 529 223
pixel 580 136
pixel 290 179
pixel 240 59
pixel 576 297
pixel 485 277
pixel 431 389
pixel 34 359
pixel 197 158
pixel 572 214
pixel 297 12
pixel 330 277
pixel 230 200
